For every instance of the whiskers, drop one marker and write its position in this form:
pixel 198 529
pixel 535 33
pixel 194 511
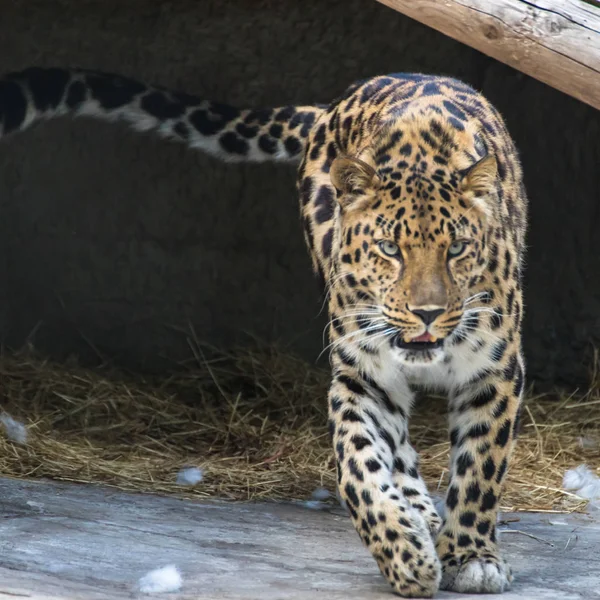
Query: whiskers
pixel 335 277
pixel 330 284
pixel 371 326
pixel 487 309
pixel 470 326
pixel 481 296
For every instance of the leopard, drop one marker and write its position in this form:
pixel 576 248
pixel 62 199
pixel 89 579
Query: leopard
pixel 414 212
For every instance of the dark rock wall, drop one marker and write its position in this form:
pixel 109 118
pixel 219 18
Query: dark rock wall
pixel 119 244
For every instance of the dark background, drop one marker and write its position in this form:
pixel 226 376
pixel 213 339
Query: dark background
pixel 122 242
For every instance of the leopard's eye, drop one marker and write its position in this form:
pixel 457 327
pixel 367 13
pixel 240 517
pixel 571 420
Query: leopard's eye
pixel 389 248
pixel 456 248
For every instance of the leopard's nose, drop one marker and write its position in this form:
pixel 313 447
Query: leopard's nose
pixel 428 316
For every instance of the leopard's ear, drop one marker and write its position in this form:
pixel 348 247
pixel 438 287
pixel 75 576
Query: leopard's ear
pixel 351 177
pixel 480 178
pixel 479 183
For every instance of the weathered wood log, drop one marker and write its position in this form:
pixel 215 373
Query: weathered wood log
pixel 554 41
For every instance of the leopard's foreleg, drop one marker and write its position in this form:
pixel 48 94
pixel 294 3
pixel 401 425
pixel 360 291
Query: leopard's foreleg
pixel 379 481
pixel 483 424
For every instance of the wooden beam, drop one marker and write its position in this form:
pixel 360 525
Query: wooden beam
pixel 555 41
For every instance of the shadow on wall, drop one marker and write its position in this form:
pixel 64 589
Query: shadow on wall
pixel 123 242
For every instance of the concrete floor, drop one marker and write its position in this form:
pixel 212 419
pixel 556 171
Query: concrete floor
pixel 60 541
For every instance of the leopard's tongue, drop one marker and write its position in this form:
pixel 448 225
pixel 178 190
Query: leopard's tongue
pixel 424 337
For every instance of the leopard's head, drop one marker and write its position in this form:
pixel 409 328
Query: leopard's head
pixel 413 241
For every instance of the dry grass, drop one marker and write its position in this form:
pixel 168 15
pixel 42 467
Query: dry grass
pixel 255 422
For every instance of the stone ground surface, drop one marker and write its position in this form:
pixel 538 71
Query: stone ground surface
pixel 63 542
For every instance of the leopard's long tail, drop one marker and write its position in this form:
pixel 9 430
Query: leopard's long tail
pixel 229 133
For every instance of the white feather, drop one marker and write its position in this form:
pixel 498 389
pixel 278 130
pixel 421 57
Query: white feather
pixel 15 431
pixel 189 476
pixel 320 494
pixel 583 482
pixel 315 505
pixel 165 579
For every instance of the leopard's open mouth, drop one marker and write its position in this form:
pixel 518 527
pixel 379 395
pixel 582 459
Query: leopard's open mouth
pixel 420 343
pixel 418 346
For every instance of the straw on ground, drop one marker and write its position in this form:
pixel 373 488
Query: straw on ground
pixel 255 423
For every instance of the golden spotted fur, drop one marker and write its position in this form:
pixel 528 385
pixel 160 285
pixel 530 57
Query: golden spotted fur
pixel 421 249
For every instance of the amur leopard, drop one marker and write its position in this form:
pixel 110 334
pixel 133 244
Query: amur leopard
pixel 414 213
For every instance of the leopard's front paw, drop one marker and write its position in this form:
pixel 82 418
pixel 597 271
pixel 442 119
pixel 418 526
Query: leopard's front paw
pixel 405 553
pixel 477 575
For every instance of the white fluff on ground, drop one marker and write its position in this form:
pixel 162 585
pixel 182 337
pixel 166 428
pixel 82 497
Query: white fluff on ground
pixel 315 505
pixel 165 579
pixel 320 494
pixel 189 476
pixel 584 483
pixel 15 431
